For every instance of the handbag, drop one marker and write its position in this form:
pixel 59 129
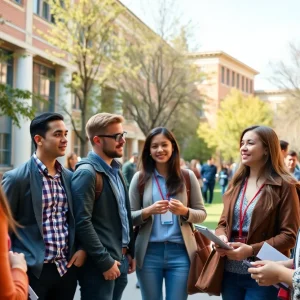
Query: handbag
pixel 203 246
pixel 210 279
pixel 197 264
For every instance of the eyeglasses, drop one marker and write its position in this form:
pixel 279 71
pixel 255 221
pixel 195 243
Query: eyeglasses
pixel 117 137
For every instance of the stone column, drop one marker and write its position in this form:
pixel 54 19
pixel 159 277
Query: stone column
pixel 21 136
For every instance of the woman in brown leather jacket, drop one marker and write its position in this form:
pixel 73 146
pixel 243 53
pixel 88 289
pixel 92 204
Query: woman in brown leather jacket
pixel 261 205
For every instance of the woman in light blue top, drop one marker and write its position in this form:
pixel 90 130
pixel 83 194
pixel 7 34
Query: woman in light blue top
pixel 165 244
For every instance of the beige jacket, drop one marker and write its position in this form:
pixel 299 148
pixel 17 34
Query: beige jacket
pixel 197 214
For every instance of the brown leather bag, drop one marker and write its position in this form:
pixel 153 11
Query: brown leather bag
pixel 210 279
pixel 203 246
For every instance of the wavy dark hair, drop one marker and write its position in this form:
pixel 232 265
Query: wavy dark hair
pixel 175 179
pixel 273 165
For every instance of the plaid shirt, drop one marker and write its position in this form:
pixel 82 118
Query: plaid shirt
pixel 55 214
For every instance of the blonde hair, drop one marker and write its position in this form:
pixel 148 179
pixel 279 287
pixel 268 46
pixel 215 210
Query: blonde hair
pixel 97 124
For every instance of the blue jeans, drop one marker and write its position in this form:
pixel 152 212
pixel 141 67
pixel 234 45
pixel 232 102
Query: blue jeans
pixel 208 186
pixel 243 287
pixel 167 261
pixel 94 286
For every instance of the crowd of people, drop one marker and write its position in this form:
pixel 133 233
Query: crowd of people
pixel 95 221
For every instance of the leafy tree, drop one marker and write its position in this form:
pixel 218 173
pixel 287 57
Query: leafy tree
pixel 287 78
pixel 88 37
pixel 13 101
pixel 159 80
pixel 235 114
pixel 196 148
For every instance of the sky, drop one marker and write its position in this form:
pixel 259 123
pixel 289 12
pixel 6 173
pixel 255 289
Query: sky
pixel 256 32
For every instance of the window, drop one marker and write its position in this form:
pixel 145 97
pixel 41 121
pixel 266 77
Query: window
pixel 223 75
pixel 5 146
pixel 233 79
pixel 42 8
pixel 250 86
pixel 238 81
pixel 44 85
pixel 243 83
pixel 228 77
pixel 6 77
pixel 247 85
pixel 18 1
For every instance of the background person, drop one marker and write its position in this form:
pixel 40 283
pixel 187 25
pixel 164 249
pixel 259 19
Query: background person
pixel 208 174
pixel 291 162
pixel 71 161
pixel 260 206
pixel 165 244
pixel 129 168
pixel 284 146
pixel 13 268
pixel 223 178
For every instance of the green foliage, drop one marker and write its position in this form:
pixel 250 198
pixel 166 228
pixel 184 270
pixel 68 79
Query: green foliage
pixel 13 103
pixel 88 37
pixel 196 148
pixel 235 114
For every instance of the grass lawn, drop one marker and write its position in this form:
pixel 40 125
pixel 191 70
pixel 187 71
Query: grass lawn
pixel 214 210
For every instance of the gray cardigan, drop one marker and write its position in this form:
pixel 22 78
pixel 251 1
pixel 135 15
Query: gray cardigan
pixel 197 214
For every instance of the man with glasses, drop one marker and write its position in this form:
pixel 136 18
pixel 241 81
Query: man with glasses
pixel 102 212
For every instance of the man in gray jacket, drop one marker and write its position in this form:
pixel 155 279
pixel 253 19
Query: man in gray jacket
pixel 103 218
pixel 39 194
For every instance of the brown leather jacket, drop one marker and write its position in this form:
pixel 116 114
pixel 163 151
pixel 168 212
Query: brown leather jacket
pixel 275 222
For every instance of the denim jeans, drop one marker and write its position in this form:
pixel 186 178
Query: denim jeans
pixel 243 287
pixel 167 261
pixel 94 286
pixel 208 186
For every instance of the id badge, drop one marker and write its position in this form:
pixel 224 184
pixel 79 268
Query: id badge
pixel 167 218
pixel 240 239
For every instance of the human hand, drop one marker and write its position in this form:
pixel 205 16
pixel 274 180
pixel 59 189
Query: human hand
pixel 266 272
pixel 177 208
pixel 221 251
pixel 17 260
pixel 240 251
pixel 77 259
pixel 132 264
pixel 114 272
pixel 159 207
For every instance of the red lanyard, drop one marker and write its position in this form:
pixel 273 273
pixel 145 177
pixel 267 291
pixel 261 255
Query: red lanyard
pixel 160 191
pixel 243 215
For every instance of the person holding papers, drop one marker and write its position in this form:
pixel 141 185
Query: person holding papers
pixel 13 267
pixel 260 205
pixel 165 244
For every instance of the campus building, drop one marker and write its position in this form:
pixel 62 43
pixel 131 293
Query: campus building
pixel 222 72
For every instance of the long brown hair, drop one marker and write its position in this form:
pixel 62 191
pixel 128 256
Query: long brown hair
pixel 175 180
pixel 12 224
pixel 272 167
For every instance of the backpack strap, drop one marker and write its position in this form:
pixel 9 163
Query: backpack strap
pixel 99 179
pixel 99 185
pixel 187 180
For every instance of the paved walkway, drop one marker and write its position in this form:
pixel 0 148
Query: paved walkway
pixel 132 293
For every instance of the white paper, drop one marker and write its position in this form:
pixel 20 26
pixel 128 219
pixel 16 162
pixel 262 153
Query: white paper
pixel 267 252
pixel 167 218
pixel 32 295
